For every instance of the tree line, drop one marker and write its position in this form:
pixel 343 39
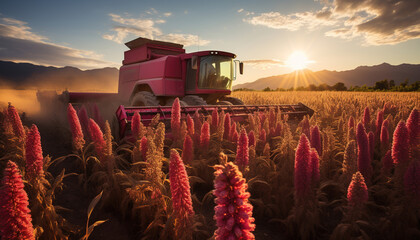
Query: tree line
pixel 380 86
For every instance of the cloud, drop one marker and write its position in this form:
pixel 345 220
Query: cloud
pixel 292 22
pixel 265 63
pixel 152 11
pixel 382 22
pixel 18 43
pixel 13 28
pixel 247 13
pixel 376 22
pixel 184 39
pixel 146 27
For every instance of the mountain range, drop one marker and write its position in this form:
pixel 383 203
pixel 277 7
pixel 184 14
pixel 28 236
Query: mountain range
pixel 29 76
pixel 363 75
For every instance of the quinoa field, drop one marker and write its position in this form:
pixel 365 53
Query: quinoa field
pixel 350 171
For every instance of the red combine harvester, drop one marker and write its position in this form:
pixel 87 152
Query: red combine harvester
pixel 154 73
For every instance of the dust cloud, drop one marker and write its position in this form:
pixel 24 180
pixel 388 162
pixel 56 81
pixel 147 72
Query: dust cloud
pixel 23 100
pixel 24 95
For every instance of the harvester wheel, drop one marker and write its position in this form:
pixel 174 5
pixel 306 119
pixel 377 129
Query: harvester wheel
pixel 193 100
pixel 170 102
pixel 223 103
pixel 144 98
pixel 233 100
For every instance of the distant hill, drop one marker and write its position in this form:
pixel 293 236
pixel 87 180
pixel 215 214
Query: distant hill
pixel 363 75
pixel 30 76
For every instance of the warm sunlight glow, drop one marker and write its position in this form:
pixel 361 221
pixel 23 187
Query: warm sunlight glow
pixel 297 60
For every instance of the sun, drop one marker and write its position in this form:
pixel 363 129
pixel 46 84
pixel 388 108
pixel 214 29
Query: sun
pixel 297 60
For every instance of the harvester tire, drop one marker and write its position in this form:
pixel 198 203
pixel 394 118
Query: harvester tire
pixel 193 100
pixel 233 100
pixel 225 103
pixel 144 98
pixel 170 102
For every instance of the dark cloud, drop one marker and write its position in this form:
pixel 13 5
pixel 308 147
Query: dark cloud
pixel 348 5
pixel 18 43
pixel 22 50
pixel 377 22
pixel 324 14
pixel 382 22
pixel 393 17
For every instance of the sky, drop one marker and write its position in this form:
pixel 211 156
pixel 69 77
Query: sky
pixel 330 34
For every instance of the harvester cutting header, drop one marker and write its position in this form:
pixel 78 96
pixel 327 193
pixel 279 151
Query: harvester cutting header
pixel 154 73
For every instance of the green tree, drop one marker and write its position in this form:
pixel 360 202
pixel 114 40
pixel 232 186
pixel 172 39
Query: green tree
pixel 339 87
pixel 391 83
pixel 382 85
pixel 312 87
pixel 324 87
pixel 404 84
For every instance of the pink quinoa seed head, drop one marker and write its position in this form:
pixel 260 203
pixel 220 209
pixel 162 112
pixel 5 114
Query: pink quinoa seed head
pixel 176 117
pixel 205 135
pixel 180 189
pixel 363 154
pixel 378 123
pixel 316 139
pixel 33 154
pixel 371 140
pixel 413 126
pixel 357 193
pixel 314 166
pixel 190 125
pixel 214 120
pixel 84 119
pixel 226 126
pixel 302 170
pixel 144 147
pixel 384 137
pixel 76 128
pixel 98 139
pixel 135 124
pixel 400 147
pixel 16 122
pixel 188 150
pixel 242 151
pixel 233 213
pixel 15 220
